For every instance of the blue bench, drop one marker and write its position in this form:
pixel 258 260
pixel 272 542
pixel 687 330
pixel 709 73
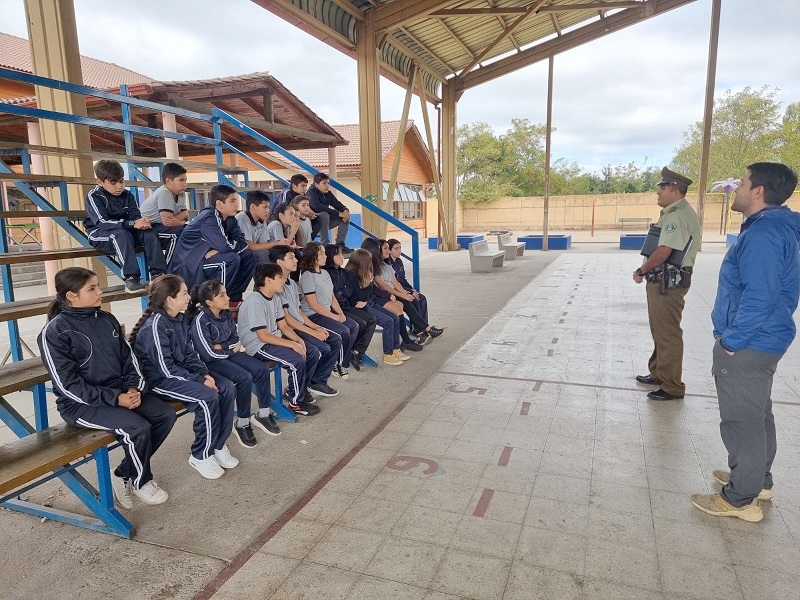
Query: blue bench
pixel 463 240
pixel 554 242
pixel 631 241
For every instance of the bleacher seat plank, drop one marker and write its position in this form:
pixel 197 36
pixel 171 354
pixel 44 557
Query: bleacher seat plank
pixel 16 258
pixel 40 453
pixel 38 306
pixel 38 214
pixel 22 374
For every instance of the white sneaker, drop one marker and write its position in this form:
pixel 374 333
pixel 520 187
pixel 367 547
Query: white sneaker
pixel 123 491
pixel 208 468
pixel 150 493
pixel 224 458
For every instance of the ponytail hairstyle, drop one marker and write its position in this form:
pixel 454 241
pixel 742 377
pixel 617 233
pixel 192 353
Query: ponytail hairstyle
pixel 71 279
pixel 331 251
pixel 373 246
pixel 208 290
pixel 166 286
pixel 309 260
pixel 360 264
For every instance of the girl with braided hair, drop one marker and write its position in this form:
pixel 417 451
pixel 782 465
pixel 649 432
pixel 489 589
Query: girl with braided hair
pixel 162 343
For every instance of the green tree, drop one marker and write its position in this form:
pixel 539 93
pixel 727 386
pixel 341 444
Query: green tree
pixel 524 156
pixel 744 129
pixel 479 161
pixel 790 136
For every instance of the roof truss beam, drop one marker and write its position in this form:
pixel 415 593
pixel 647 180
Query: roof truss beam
pixel 393 14
pixel 590 6
pixel 572 39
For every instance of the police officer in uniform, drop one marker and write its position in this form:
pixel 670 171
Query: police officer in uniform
pixel 667 284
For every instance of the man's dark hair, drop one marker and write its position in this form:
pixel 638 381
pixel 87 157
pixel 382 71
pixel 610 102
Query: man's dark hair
pixel 320 177
pixel 220 193
pixel 778 181
pixel 171 171
pixel 109 170
pixel 298 179
pixel 256 197
pixel 265 271
pixel 277 253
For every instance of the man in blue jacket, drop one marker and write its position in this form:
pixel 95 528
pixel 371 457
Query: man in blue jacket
pixel 759 285
pixel 212 246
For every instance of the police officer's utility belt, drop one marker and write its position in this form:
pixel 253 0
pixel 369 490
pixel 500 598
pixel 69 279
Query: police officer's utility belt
pixel 670 277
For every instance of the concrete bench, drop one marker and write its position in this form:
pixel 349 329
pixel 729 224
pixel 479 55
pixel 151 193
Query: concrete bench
pixel 554 242
pixel 512 249
pixel 481 259
pixel 624 220
pixel 631 241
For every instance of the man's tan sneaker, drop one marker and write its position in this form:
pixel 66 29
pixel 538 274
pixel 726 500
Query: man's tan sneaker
pixel 724 478
pixel 714 504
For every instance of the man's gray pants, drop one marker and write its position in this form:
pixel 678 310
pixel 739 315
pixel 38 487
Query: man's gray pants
pixel 747 426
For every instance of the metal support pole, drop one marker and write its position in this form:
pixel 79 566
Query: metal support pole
pixel 708 113
pixel 545 245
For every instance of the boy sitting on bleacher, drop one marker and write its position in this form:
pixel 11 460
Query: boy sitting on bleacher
pixel 115 225
pixel 166 207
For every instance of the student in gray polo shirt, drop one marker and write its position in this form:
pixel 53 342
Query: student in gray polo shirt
pixel 253 223
pixel 166 208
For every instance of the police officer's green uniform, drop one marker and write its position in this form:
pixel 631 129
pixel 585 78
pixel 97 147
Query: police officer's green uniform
pixel 679 224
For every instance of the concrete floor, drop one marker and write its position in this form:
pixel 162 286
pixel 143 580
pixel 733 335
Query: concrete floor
pixel 513 458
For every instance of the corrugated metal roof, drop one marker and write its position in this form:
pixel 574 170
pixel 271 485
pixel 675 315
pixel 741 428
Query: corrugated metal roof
pixel 445 38
pixel 15 53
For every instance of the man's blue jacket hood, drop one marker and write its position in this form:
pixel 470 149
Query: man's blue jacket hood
pixel 759 284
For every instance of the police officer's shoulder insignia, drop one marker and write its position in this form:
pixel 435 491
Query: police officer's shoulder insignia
pixel 670 227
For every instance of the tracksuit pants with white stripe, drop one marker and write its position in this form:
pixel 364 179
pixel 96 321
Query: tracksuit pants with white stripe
pixel 140 431
pixel 213 411
pixel 244 371
pixel 168 236
pixel 235 271
pixel 348 331
pixel 297 367
pixel 330 353
pixel 122 243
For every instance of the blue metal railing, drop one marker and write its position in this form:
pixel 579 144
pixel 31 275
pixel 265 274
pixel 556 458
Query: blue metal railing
pixel 217 143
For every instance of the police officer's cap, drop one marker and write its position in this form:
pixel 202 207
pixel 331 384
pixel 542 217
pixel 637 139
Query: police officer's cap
pixel 672 178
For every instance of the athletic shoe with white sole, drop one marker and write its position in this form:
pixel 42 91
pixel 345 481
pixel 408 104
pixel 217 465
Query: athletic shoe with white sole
pixel 208 467
pixel 150 493
pixel 225 459
pixel 123 490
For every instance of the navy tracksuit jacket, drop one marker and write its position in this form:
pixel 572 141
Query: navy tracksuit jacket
pixel 234 263
pixel 109 227
pixel 91 364
pixel 174 369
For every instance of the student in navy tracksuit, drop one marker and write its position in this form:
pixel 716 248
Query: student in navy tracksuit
pixel 114 224
pixel 213 247
pixel 215 338
pixel 99 384
pixel 395 260
pixel 171 365
pixel 388 314
pixel 343 282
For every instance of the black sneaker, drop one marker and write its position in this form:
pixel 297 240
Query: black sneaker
pixel 322 389
pixel 133 284
pixel 305 409
pixel 423 338
pixel 355 360
pixel 245 435
pixel 435 332
pixel 411 346
pixel 266 424
pixel 341 371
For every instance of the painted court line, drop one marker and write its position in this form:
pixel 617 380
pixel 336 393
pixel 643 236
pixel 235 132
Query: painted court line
pixel 505 455
pixel 483 503
pixel 526 406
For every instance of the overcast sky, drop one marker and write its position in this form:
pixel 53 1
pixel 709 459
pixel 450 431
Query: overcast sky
pixel 626 97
